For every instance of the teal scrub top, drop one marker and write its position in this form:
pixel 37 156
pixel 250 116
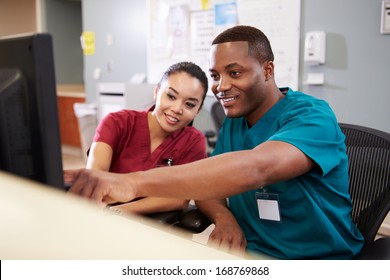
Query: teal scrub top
pixel 315 209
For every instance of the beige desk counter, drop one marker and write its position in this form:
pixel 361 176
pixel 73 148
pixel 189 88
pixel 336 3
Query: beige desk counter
pixel 71 90
pixel 38 222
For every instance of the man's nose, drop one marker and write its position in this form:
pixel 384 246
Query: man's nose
pixel 223 84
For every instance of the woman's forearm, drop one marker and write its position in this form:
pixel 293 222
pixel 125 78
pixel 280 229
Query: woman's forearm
pixel 150 205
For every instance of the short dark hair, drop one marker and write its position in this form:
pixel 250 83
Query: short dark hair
pixel 259 46
pixel 191 69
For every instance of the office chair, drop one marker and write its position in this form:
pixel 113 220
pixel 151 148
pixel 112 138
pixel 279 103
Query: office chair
pixel 368 153
pixel 217 117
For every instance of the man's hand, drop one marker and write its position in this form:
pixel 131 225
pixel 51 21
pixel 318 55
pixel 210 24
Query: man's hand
pixel 227 235
pixel 101 186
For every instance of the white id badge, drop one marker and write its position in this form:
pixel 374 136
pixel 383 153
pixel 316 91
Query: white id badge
pixel 268 206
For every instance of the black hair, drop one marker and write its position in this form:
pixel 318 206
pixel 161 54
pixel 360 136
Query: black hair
pixel 191 69
pixel 259 46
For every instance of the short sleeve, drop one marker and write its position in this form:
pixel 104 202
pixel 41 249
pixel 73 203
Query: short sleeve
pixel 314 130
pixel 111 127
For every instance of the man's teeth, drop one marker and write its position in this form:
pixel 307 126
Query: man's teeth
pixel 228 99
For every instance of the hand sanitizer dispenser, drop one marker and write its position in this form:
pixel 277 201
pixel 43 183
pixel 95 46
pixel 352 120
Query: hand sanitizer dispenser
pixel 314 48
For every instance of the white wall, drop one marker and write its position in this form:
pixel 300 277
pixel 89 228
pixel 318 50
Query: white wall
pixel 357 74
pixel 124 21
pixel 357 67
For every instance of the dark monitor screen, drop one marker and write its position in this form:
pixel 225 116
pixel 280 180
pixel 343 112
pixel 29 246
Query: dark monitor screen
pixel 30 144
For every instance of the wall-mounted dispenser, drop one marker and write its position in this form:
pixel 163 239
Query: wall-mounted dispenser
pixel 315 43
pixel 385 17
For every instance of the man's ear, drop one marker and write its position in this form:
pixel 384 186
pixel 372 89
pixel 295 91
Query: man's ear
pixel 268 70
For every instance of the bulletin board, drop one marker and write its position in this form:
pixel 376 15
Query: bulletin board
pixel 182 30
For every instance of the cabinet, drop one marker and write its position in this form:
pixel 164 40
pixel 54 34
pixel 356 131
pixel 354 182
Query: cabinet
pixel 69 128
pixel 18 17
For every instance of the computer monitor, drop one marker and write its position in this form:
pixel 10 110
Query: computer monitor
pixel 30 144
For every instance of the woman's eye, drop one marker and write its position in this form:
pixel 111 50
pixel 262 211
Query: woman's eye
pixel 191 105
pixel 171 96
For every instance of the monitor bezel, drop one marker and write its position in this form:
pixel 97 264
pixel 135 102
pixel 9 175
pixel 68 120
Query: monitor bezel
pixel 33 55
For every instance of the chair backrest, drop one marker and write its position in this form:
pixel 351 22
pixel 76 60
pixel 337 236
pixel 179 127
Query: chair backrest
pixel 217 115
pixel 368 153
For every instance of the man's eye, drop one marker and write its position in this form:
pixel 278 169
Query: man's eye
pixel 235 73
pixel 215 77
